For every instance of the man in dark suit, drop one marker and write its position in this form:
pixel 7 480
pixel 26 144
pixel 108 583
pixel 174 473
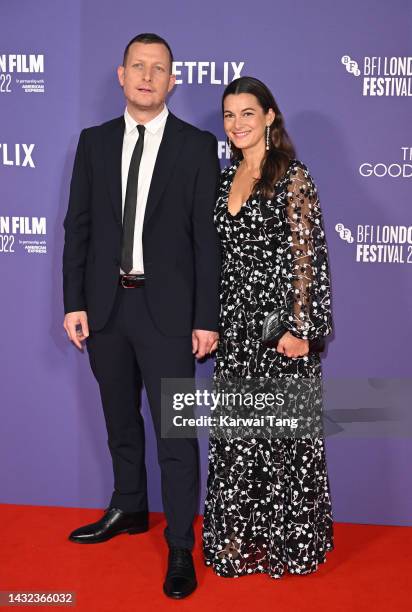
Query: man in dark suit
pixel 141 267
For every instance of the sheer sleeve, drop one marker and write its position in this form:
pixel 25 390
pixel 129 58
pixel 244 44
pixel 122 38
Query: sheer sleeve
pixel 305 266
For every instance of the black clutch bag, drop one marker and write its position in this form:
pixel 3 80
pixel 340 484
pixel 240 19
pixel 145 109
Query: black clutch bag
pixel 273 330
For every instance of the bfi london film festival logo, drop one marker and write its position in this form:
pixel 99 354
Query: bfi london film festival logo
pixel 379 243
pixel 23 233
pixel 22 156
pixel 19 71
pixel 382 76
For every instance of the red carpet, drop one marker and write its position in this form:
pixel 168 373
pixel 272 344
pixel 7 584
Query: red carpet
pixel 370 569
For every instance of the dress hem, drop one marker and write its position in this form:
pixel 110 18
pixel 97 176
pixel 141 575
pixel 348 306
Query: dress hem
pixel 286 570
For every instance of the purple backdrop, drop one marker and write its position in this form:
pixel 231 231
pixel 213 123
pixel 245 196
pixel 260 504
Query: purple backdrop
pixel 328 67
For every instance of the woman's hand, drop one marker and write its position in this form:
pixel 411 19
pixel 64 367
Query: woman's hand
pixel 291 346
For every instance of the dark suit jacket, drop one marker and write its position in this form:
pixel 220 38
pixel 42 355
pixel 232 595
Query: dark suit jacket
pixel 180 244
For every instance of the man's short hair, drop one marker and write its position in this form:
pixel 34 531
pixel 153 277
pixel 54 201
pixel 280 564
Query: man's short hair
pixel 148 39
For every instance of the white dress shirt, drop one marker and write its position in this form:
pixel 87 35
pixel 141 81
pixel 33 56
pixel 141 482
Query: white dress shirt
pixel 152 139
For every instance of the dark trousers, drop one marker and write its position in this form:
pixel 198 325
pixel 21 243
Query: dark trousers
pixel 128 352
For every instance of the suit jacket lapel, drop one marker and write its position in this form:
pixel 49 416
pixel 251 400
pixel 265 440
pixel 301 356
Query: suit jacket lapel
pixel 170 146
pixel 113 144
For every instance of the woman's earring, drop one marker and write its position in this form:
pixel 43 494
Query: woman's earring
pixel 267 137
pixel 229 144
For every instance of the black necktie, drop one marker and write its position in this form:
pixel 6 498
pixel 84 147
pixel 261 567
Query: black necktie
pixel 129 213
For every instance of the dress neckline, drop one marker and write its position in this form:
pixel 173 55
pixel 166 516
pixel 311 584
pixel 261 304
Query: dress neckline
pixel 234 166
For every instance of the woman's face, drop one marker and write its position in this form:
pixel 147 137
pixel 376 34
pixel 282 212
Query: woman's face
pixel 244 120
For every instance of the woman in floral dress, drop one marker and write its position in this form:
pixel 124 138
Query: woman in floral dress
pixel 268 505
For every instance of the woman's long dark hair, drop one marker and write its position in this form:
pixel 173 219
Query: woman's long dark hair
pixel 281 150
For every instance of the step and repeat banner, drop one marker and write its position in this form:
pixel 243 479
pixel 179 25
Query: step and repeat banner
pixel 342 75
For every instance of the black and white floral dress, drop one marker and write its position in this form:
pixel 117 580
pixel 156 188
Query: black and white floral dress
pixel 268 505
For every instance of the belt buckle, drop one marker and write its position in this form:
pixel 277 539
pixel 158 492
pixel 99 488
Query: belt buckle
pixel 126 276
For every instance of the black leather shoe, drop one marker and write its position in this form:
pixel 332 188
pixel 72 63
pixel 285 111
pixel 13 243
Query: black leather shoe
pixel 113 522
pixel 180 578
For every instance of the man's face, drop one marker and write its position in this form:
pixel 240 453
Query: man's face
pixel 146 78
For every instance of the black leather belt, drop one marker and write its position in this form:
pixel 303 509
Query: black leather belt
pixel 131 281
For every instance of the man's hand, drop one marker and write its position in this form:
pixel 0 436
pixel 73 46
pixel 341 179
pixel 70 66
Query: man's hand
pixel 79 320
pixel 291 346
pixel 204 342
